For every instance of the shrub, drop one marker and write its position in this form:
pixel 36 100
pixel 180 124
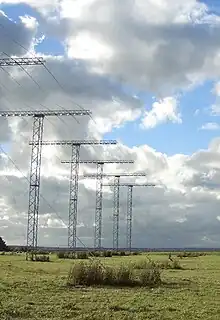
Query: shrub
pixel 73 255
pixel 109 276
pixel 61 255
pixel 120 253
pixel 190 254
pixel 124 275
pixel 136 253
pixel 142 264
pixel 39 251
pixel 82 255
pixel 85 274
pixel 90 274
pixel 95 254
pixel 66 255
pixel 150 276
pixel 107 254
pixel 176 265
pixel 42 258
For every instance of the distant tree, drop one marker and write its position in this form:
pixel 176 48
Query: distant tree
pixel 3 246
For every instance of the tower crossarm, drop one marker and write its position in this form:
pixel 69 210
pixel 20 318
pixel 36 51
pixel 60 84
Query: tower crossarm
pixel 106 175
pixel 100 161
pixel 130 185
pixel 44 113
pixel 10 62
pixel 76 142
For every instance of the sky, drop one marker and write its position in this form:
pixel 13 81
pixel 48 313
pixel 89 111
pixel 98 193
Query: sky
pixel 152 82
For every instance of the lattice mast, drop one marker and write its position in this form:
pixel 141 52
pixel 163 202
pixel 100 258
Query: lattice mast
pixel 98 207
pixel 116 201
pixel 37 136
pixel 74 175
pixel 35 167
pixel 130 208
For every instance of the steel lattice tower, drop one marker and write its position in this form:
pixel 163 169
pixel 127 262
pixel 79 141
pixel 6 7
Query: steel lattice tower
pixel 34 188
pixel 36 154
pixel 98 208
pixel 74 176
pixel 73 196
pixel 130 208
pixel 116 200
pixel 34 191
pixel 129 218
pixel 116 209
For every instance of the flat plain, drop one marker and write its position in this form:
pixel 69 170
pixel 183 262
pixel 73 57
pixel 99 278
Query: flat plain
pixel 38 290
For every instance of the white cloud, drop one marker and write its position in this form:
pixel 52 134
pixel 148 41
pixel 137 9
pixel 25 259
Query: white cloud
pixel 44 6
pixel 210 126
pixel 162 111
pixel 153 45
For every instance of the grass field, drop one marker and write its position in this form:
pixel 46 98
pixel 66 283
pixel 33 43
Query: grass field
pixel 37 290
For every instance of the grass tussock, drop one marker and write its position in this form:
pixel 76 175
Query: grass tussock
pixel 93 274
pixel 73 255
pixel 164 264
pixel 41 258
pixel 190 254
pixel 86 254
pixel 175 264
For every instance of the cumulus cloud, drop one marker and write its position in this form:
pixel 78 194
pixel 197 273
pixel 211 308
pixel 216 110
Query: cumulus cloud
pixel 46 7
pixel 152 45
pixel 12 33
pixel 162 111
pixel 168 48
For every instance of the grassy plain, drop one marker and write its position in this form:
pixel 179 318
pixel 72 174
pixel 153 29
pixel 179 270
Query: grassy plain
pixel 37 290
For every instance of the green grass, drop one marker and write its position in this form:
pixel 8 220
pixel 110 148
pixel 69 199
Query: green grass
pixel 38 290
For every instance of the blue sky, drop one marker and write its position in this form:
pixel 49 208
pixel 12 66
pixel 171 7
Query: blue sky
pixel 170 138
pixel 49 45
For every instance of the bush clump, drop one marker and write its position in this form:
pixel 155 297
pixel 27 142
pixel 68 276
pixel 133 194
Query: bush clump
pixel 72 255
pixel 120 253
pixel 142 264
pixel 136 253
pixel 95 254
pixel 92 274
pixel 107 254
pixel 166 264
pixel 82 255
pixel 150 276
pixel 190 254
pixel 42 258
